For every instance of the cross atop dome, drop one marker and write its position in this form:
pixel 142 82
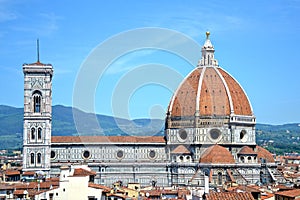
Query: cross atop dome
pixel 208 50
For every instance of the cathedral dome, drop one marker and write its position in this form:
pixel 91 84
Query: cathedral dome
pixel 209 91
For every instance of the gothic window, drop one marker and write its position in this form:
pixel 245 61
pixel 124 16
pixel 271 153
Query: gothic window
pixel 219 178
pixel 37 96
pixel 32 133
pixel 39 134
pixel 39 158
pixel 32 158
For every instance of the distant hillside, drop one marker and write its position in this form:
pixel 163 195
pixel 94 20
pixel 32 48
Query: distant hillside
pixel 11 125
pixel 277 138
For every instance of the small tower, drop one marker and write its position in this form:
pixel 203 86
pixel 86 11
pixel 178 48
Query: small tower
pixel 37 116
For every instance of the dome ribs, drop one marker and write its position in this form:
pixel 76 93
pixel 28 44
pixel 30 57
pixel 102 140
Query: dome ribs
pixel 184 101
pixel 241 105
pixel 213 99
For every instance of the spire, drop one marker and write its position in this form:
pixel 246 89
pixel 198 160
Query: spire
pixel 208 58
pixel 38 50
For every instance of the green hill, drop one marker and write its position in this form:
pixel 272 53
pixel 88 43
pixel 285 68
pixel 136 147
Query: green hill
pixel 276 138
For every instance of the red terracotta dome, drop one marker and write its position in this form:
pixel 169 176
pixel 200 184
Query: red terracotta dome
pixel 264 155
pixel 217 154
pixel 209 91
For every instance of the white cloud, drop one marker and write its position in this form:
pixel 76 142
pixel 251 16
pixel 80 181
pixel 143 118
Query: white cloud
pixel 128 61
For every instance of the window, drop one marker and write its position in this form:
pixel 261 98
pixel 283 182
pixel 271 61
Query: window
pixel 183 134
pixel 249 159
pixel 39 158
pixel 120 154
pixel 219 178
pixel 33 133
pixel 152 154
pixel 32 158
pixel 215 134
pixel 52 155
pixel 243 136
pixel 242 159
pixel 86 154
pixel 37 102
pixel 39 135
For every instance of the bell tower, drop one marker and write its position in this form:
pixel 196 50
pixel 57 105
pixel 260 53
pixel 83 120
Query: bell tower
pixel 37 116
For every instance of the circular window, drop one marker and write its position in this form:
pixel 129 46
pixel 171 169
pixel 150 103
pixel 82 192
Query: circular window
pixel 215 134
pixel 86 154
pixel 152 154
pixel 120 154
pixel 181 158
pixel 243 136
pixel 183 134
pixel 52 155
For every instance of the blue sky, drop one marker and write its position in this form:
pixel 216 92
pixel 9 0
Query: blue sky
pixel 256 41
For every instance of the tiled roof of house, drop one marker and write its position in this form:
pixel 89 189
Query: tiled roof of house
pixel 264 154
pixel 12 172
pixel 19 192
pixel 217 154
pixel 180 149
pixel 107 139
pixel 289 193
pixel 266 196
pixel 33 185
pixel 229 196
pixel 97 186
pixel 28 173
pixel 83 172
pixel 247 150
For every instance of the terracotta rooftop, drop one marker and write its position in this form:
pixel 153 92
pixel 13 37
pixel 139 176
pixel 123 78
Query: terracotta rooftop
pixel 289 193
pixel 217 154
pixel 33 185
pixel 83 172
pixel 180 149
pixel 264 154
pixel 28 173
pixel 229 196
pixel 247 150
pixel 97 186
pixel 12 172
pixel 107 139
pixel 19 192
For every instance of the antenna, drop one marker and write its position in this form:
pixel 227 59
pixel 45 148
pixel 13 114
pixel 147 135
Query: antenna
pixel 38 50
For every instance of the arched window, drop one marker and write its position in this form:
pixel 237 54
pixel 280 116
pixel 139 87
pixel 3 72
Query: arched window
pixel 219 178
pixel 39 134
pixel 32 133
pixel 37 96
pixel 32 158
pixel 39 158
